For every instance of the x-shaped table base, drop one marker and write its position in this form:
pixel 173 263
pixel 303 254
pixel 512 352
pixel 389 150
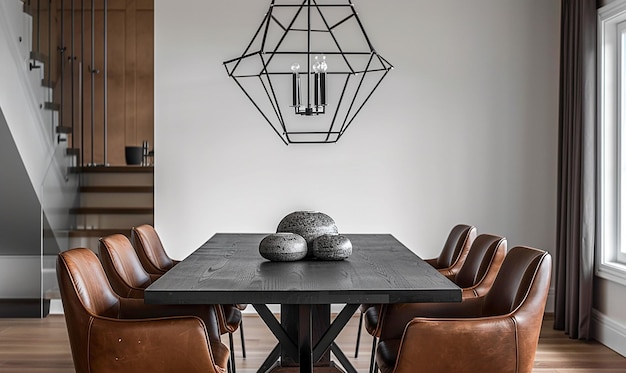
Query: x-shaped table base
pixel 300 347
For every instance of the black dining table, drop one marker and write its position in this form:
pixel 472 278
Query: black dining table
pixel 228 269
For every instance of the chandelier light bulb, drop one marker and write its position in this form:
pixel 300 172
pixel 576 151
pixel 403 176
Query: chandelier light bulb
pixel 323 65
pixel 316 66
pixel 295 67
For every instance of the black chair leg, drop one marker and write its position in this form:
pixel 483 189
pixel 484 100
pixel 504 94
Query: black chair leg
pixel 232 367
pixel 373 364
pixel 358 336
pixel 243 341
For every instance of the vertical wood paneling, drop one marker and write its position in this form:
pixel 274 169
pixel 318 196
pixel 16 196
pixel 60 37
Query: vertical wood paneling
pixel 130 74
pixel 117 83
pixel 145 75
pixel 130 77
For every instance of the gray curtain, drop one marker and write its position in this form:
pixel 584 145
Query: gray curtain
pixel 576 214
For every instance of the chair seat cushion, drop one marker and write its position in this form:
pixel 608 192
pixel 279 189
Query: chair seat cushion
pixel 370 317
pixel 221 354
pixel 386 354
pixel 232 318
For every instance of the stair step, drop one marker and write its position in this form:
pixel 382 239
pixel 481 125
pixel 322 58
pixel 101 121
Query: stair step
pixel 39 57
pixel 98 232
pixel 47 83
pixel 51 106
pixel 111 210
pixel 64 129
pixel 126 200
pixel 112 169
pixel 28 9
pixel 117 189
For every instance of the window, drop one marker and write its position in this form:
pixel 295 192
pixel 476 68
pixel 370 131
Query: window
pixel 611 263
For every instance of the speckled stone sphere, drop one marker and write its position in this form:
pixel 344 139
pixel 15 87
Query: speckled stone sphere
pixel 309 225
pixel 283 247
pixel 332 247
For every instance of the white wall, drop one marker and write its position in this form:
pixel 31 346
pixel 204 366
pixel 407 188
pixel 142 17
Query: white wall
pixel 463 130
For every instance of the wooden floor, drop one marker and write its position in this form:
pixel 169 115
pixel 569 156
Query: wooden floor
pixel 33 345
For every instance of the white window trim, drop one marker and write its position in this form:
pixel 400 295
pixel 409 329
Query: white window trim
pixel 609 112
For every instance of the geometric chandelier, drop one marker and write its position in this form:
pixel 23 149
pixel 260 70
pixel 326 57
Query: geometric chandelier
pixel 309 69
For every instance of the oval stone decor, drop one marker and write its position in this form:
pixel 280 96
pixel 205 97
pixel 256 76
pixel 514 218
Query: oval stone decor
pixel 309 225
pixel 283 247
pixel 332 247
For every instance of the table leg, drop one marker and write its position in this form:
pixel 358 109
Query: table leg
pixel 305 338
pixel 310 326
pixel 271 360
pixel 342 358
pixel 332 331
pixel 287 344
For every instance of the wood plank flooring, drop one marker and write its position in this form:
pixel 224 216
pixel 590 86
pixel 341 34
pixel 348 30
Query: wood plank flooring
pixel 34 345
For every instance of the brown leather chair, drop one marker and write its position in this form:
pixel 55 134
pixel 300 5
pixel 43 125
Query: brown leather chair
pixel 150 250
pixel 449 262
pixel 455 250
pixel 156 262
pixel 129 279
pixel 481 265
pixel 109 333
pixel 497 332
pixel 480 268
pixel 123 268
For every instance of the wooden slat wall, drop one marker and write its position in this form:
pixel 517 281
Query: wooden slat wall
pixel 130 78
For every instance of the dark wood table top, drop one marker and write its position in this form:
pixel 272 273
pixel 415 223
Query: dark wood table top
pixel 229 269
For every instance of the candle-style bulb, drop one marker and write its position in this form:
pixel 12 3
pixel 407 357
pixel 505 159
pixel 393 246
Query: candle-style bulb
pixel 316 66
pixel 323 65
pixel 295 67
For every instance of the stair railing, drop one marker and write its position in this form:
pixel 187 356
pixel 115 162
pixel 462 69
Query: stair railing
pixel 62 53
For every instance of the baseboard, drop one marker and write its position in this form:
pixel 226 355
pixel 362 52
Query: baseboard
pixel 24 308
pixel 609 332
pixel 56 307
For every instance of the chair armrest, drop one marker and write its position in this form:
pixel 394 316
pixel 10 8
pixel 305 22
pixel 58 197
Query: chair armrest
pixel 394 317
pixel 131 308
pixel 450 275
pixel 486 344
pixel 152 345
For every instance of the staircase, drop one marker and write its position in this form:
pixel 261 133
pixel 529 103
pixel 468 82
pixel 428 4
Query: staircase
pixel 56 126
pixel 111 200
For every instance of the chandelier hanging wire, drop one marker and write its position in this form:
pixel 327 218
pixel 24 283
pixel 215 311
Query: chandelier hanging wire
pixel 315 58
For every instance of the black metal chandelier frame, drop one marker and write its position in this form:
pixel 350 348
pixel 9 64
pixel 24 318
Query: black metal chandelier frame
pixel 315 103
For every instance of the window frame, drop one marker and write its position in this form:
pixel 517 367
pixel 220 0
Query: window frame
pixel 611 146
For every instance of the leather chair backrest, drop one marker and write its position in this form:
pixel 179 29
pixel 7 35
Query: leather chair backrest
pixel 122 266
pixel 150 250
pixel 85 292
pixel 515 278
pixel 482 253
pixel 521 289
pixel 460 238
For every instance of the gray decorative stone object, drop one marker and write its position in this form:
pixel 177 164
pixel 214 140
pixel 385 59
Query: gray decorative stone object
pixel 332 247
pixel 283 247
pixel 309 225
